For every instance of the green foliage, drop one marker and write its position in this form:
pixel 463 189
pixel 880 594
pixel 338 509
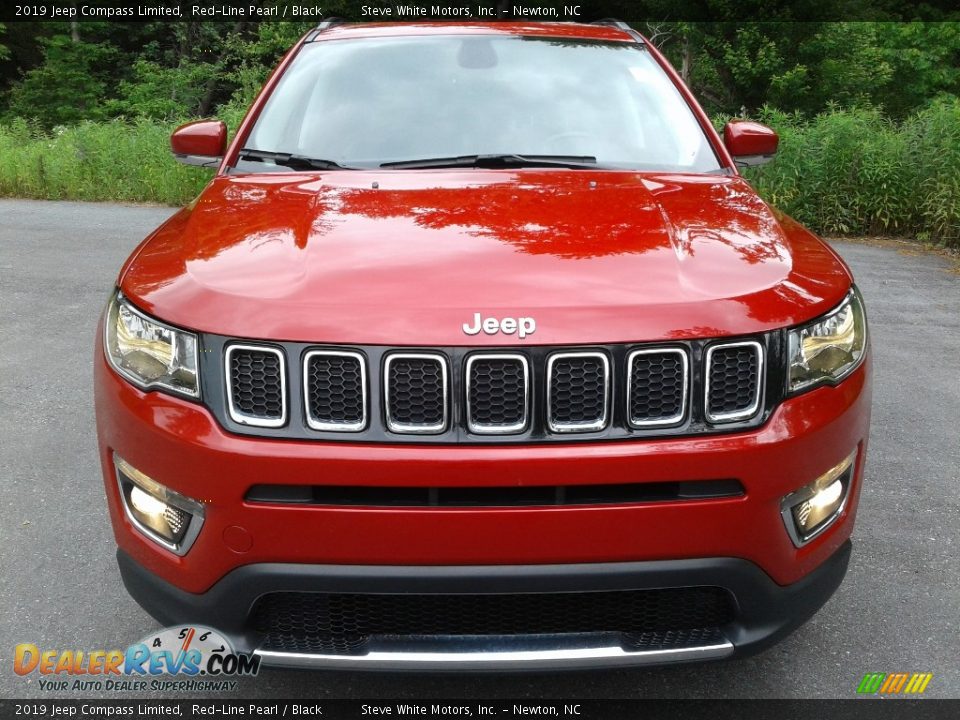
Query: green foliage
pixel 925 58
pixel 855 172
pixel 114 160
pixel 162 93
pixel 68 87
pixel 806 66
pixel 252 58
pixel 843 63
pixel 4 50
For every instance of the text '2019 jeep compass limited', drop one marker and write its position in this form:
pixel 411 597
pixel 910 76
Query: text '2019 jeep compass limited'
pixel 477 352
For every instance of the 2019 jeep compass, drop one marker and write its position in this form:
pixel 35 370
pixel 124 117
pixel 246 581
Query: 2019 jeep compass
pixel 478 352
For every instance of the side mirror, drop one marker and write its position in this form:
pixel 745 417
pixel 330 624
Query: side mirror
pixel 202 143
pixel 750 143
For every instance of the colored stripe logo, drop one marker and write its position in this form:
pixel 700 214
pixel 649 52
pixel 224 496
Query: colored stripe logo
pixel 894 683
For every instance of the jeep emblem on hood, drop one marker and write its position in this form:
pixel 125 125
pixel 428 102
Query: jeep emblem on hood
pixel 508 326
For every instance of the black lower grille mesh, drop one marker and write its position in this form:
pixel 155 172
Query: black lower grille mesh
pixel 497 393
pixel 335 394
pixel 673 639
pixel 578 391
pixel 734 377
pixel 417 392
pixel 255 383
pixel 657 381
pixel 344 622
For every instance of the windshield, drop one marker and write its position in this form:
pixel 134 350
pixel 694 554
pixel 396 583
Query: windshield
pixel 362 103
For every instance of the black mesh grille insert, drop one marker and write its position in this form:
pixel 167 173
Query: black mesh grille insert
pixel 734 377
pixel 657 387
pixel 497 394
pixel 335 390
pixel 344 622
pixel 416 389
pixel 578 392
pixel 672 639
pixel 256 383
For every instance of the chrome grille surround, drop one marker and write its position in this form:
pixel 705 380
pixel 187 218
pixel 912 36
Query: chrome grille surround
pixel 243 418
pixel 684 395
pixel 585 426
pixel 417 428
pixel 494 429
pixel 754 406
pixel 312 421
pixel 656 391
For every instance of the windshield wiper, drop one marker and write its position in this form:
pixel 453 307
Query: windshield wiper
pixel 292 160
pixel 504 160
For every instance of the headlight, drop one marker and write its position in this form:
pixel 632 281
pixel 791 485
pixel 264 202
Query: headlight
pixel 149 353
pixel 828 349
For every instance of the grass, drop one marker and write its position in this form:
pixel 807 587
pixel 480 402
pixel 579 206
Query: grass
pixel 854 172
pixel 116 160
pixel 842 173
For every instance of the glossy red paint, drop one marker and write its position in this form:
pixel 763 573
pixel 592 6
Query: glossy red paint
pixel 207 138
pixel 596 257
pixel 180 444
pixel 745 138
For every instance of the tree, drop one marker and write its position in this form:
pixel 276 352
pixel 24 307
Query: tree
pixel 70 84
pixel 925 62
pixel 807 66
pixel 4 50
pixel 163 93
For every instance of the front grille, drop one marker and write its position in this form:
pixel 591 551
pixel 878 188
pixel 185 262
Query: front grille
pixel 344 623
pixel 482 396
pixel 734 373
pixel 497 393
pixel 256 385
pixel 335 390
pixel 416 390
pixel 657 383
pixel 577 385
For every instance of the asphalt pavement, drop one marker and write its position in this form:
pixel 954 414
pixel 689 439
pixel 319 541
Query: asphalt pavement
pixel 898 609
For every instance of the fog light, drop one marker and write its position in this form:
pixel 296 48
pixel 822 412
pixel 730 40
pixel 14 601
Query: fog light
pixel 164 515
pixel 814 507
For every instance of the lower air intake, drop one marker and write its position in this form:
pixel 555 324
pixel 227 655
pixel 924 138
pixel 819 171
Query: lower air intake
pixel 318 622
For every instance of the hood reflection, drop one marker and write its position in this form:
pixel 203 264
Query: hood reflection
pixel 602 243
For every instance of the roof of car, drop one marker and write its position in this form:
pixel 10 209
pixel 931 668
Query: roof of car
pixel 530 29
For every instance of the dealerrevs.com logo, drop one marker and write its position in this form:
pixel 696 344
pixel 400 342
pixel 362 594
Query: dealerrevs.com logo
pixel 202 655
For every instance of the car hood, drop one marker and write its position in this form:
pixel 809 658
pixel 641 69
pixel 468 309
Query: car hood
pixel 408 257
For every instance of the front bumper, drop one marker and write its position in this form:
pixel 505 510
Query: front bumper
pixel 765 611
pixel 179 444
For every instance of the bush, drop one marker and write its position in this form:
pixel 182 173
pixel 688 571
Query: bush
pixel 68 86
pixel 854 172
pixel 116 160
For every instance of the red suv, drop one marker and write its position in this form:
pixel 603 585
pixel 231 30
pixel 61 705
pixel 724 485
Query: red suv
pixel 478 352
